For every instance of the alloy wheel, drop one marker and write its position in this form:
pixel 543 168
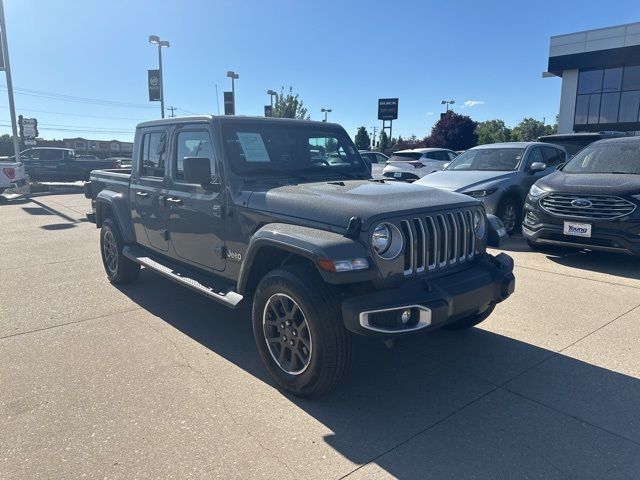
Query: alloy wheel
pixel 110 251
pixel 287 334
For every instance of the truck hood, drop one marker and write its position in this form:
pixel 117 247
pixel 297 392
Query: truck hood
pixel 464 180
pixel 591 183
pixel 334 203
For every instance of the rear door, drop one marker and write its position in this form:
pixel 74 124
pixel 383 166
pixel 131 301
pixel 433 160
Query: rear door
pixel 148 192
pixel 196 214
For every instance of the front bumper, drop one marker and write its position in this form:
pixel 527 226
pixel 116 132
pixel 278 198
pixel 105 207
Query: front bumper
pixel 621 235
pixel 434 302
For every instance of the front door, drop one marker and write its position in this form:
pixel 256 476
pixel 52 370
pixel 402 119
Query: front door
pixel 195 214
pixel 148 193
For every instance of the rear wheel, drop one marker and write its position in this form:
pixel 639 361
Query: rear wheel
pixel 118 267
pixel 299 332
pixel 471 320
pixel 509 213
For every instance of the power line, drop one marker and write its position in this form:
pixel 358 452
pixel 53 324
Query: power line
pixel 80 114
pixel 75 99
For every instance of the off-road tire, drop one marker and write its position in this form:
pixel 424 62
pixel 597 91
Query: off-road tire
pixel 120 269
pixel 470 321
pixel 319 304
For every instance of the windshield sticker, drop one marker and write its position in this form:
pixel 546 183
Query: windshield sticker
pixel 253 147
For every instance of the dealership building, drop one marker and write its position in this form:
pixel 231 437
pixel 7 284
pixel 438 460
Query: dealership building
pixel 600 71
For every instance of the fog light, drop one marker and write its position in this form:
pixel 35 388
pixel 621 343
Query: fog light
pixel 406 316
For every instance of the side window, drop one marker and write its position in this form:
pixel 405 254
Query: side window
pixel 371 157
pixel 552 156
pixel 31 154
pixel 193 144
pixel 452 155
pixel 51 155
pixel 381 158
pixel 153 154
pixel 535 155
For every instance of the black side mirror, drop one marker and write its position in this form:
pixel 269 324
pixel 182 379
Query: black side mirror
pixel 537 167
pixel 497 233
pixel 197 170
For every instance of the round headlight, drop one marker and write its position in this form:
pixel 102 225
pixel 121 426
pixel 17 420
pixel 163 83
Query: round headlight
pixel 381 238
pixel 479 223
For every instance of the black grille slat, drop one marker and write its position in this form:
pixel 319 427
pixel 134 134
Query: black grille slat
pixel 437 242
pixel 603 207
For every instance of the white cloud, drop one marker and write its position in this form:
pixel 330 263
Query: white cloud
pixel 430 113
pixel 472 103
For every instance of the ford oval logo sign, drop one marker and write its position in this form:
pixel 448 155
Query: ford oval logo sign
pixel 581 203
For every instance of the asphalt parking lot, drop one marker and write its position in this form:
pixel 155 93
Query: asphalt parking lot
pixel 151 380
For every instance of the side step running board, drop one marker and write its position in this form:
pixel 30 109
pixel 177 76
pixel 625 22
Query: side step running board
pixel 188 278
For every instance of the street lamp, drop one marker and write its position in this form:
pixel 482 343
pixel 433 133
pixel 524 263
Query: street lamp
pixel 272 93
pixel 233 76
pixel 447 103
pixel 325 111
pixel 155 40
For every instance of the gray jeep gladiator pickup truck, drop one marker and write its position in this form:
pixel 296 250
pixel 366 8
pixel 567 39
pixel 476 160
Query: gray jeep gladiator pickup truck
pixel 284 214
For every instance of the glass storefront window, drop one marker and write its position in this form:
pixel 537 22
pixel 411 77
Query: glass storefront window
pixel 629 106
pixel 612 80
pixel 590 81
pixel 631 78
pixel 609 107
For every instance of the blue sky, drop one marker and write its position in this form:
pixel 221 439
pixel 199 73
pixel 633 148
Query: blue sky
pixel 343 55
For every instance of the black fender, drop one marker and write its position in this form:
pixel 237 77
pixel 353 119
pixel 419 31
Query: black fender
pixel 496 234
pixel 310 243
pixel 118 205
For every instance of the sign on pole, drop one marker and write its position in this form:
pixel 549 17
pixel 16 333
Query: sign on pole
pixel 28 128
pixel 154 85
pixel 268 111
pixel 387 109
pixel 229 105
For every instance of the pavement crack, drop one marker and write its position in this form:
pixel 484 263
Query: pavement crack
pixel 576 276
pixel 74 322
pixel 216 394
pixel 417 434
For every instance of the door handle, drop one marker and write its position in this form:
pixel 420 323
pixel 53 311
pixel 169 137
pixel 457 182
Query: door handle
pixel 142 194
pixel 173 201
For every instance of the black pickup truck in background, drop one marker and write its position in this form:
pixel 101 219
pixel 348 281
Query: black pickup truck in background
pixel 61 164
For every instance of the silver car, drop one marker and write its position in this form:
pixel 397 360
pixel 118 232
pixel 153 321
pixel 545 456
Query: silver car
pixel 500 175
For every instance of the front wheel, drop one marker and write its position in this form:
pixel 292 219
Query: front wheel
pixel 118 267
pixel 298 331
pixel 509 214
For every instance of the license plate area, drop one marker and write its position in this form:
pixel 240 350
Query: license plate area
pixel 575 229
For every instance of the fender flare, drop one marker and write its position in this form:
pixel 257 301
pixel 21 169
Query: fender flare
pixel 310 243
pixel 119 206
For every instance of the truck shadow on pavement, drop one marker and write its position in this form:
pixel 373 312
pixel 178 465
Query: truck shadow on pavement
pixel 447 404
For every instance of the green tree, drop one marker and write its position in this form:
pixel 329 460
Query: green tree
pixel 362 140
pixel 530 129
pixel 383 142
pixel 453 131
pixel 6 146
pixel 289 106
pixel 493 131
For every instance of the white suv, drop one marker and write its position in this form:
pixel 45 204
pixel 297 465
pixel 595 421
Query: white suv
pixel 413 164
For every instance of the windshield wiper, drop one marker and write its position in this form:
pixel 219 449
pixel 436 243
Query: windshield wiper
pixel 279 171
pixel 331 171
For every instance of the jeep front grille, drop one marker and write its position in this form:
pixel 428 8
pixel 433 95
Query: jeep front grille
pixel 439 241
pixel 603 207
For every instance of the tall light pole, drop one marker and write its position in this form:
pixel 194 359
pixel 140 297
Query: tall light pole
pixel 325 111
pixel 155 40
pixel 447 103
pixel 7 70
pixel 233 76
pixel 272 93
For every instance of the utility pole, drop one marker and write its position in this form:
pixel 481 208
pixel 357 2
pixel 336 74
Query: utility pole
pixel 7 70
pixel 233 76
pixel 173 109
pixel 326 111
pixel 373 139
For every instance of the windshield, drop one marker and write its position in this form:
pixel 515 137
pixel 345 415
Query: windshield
pixel 284 150
pixel 498 159
pixel 621 157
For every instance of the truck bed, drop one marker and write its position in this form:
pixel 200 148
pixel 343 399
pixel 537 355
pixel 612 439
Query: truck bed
pixel 115 180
